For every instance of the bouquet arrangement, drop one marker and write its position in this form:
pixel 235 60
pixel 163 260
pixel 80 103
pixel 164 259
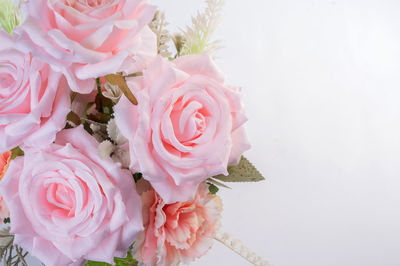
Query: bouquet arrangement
pixel 114 135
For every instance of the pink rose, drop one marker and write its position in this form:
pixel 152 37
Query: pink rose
pixel 178 232
pixel 187 127
pixel 34 100
pixel 88 39
pixel 67 204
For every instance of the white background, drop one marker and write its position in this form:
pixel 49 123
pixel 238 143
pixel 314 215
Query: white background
pixel 321 84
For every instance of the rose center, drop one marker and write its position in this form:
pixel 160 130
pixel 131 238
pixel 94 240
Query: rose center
pixel 200 122
pixel 189 122
pixel 61 196
pixel 6 81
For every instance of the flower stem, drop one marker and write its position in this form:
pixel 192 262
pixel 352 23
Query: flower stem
pixel 99 94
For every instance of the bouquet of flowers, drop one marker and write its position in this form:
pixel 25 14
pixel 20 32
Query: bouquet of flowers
pixel 115 135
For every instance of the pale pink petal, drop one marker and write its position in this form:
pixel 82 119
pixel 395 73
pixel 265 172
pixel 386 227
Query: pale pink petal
pixel 200 65
pixel 171 193
pixel 178 232
pixel 68 205
pixel 187 127
pixel 84 41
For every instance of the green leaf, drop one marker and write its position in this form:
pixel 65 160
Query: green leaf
pixel 212 188
pixel 243 172
pixel 127 261
pixel 16 152
pixel 74 118
pixel 132 75
pixel 96 263
pixel 218 184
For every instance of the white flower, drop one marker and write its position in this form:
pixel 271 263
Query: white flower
pixel 105 149
pixel 121 155
pixel 114 133
pixel 113 92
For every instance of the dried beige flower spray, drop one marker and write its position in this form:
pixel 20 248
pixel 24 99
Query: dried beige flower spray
pixel 10 254
pixel 158 26
pixel 197 37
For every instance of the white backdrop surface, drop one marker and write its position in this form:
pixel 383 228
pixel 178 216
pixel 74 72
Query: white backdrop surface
pixel 321 84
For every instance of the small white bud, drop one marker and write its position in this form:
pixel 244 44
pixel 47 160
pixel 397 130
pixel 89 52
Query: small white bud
pixel 105 149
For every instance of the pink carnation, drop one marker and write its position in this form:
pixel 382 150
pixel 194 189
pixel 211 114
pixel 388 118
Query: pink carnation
pixel 4 212
pixel 187 127
pixel 178 232
pixel 91 38
pixel 4 163
pixel 67 204
pixel 34 100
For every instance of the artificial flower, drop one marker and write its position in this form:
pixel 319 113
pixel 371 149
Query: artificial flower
pixel 187 127
pixel 112 92
pixel 86 39
pixel 67 204
pixel 178 232
pixel 34 99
